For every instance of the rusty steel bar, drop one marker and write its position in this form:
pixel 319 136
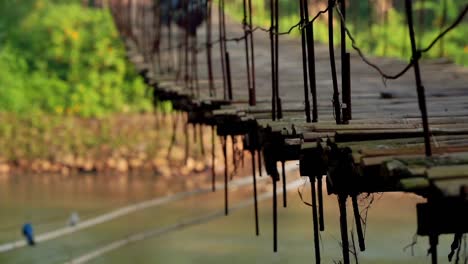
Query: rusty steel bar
pixel 273 61
pixel 213 158
pixel 257 229
pixel 234 154
pixel 417 73
pixel 311 60
pixel 169 40
pixel 228 76
pixel 304 64
pixel 252 58
pixel 186 51
pixel 156 47
pixel 331 47
pixel 315 220
pixel 187 142
pixel 345 69
pixel 175 122
pixel 247 55
pixel 179 57
pixel 260 172
pixel 226 201
pixel 195 63
pixel 194 133
pixel 285 194
pixel 344 227
pixel 209 17
pixel 200 135
pixel 275 217
pixel 222 42
pixel 433 242
pixel 279 110
pixel 357 219
pixel 320 204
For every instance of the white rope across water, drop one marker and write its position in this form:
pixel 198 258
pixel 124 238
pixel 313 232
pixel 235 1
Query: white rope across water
pixel 172 228
pixel 120 212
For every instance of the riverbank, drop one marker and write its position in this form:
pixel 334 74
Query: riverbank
pixel 120 143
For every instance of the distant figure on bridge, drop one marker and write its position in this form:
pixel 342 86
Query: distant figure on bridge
pixel 190 14
pixel 28 233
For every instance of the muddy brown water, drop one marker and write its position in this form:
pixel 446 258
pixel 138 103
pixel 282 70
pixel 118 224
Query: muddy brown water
pixel 48 200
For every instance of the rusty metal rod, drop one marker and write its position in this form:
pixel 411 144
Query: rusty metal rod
pixel 234 153
pixel 311 61
pixel 346 93
pixel 320 204
pixel 195 64
pixel 202 143
pixel 222 43
pixel 247 55
pixel 213 159
pixel 331 49
pixel 279 110
pixel 194 132
pixel 175 122
pixel 315 220
pixel 357 219
pixel 226 201
pixel 417 73
pixel 186 62
pixel 209 22
pixel 433 241
pixel 179 58
pixel 273 61
pixel 252 57
pixel 169 40
pixel 260 172
pixel 285 194
pixel 304 65
pixel 228 75
pixel 275 217
pixel 187 47
pixel 345 69
pixel 344 227
pixel 187 143
pixel 257 229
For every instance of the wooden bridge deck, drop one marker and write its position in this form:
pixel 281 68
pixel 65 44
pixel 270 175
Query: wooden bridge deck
pixel 381 149
pixel 446 84
pixel 377 106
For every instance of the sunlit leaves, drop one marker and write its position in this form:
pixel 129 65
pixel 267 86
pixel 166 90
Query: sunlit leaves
pixel 66 59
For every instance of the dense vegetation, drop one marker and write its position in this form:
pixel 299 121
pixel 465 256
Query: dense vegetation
pixel 379 26
pixel 59 57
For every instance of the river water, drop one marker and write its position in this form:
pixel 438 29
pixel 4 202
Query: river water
pixel 47 201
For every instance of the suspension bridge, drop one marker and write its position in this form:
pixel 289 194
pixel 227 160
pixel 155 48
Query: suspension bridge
pixel 355 123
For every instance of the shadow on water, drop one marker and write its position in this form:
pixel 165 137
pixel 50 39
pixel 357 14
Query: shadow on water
pixel 48 200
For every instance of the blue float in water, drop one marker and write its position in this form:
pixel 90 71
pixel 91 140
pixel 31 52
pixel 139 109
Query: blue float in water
pixel 28 233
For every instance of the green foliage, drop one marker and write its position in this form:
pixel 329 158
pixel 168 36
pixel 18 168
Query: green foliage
pixel 66 59
pixel 370 31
